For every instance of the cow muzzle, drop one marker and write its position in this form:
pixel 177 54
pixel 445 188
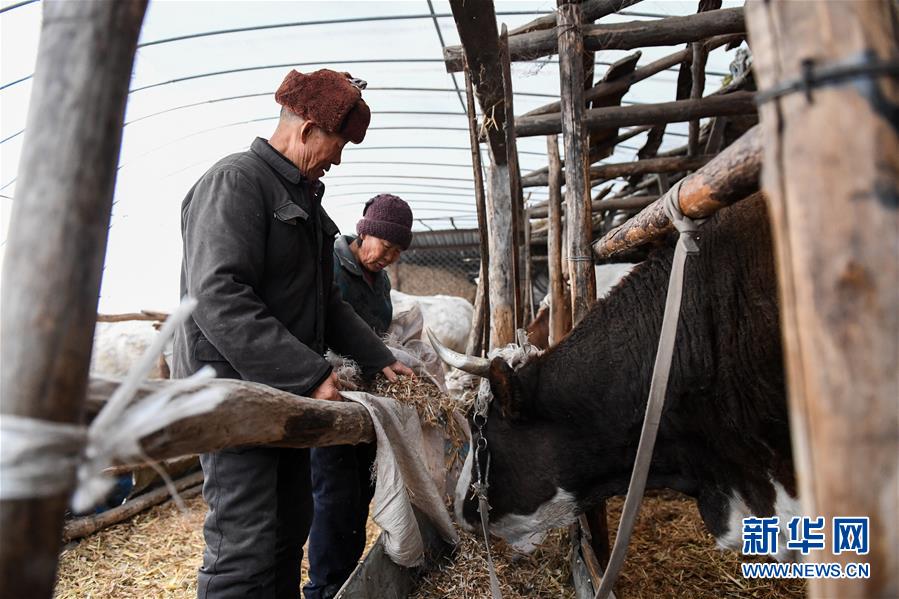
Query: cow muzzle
pixel 470 364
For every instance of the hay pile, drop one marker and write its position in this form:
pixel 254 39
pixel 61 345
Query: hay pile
pixel 543 574
pixel 672 555
pixel 154 555
pixel 434 407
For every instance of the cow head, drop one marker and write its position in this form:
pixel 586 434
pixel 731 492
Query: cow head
pixel 523 494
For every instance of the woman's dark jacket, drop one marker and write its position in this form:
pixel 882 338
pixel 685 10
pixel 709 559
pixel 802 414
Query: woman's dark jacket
pixel 371 301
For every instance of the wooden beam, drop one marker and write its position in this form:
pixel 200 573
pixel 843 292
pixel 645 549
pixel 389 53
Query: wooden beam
pixel 77 528
pixel 594 152
pixel 730 176
pixel 697 70
pixel 619 36
pixel 577 195
pixel 476 23
pixel 631 202
pixel 482 304
pixel 251 414
pixel 604 172
pixel 609 88
pixel 499 226
pixel 646 114
pixel 592 10
pixel 831 172
pixel 604 138
pixel 55 249
pixel 129 316
pixel 515 195
pixel 559 308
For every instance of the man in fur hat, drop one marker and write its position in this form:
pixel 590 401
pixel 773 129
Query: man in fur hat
pixel 257 255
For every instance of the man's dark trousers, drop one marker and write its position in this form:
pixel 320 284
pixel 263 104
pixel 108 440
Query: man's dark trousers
pixel 342 488
pixel 260 511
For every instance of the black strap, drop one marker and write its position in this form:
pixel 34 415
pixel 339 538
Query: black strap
pixel 814 76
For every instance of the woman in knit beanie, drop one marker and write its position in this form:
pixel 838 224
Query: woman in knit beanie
pixel 385 231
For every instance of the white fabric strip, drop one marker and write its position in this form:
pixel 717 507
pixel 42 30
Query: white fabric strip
pixel 39 458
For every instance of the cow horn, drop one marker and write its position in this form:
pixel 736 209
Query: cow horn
pixel 470 364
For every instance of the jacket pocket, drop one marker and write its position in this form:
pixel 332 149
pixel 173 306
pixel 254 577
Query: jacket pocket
pixel 290 213
pixel 206 352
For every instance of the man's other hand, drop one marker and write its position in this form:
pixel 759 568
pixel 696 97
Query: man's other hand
pixel 329 389
pixel 395 369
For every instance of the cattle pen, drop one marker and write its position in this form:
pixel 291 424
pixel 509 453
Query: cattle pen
pixel 804 123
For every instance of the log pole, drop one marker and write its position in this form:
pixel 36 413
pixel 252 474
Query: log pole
pixel 482 307
pixel 499 227
pixel 619 36
pixel 559 308
pixel 732 104
pixel 831 171
pixel 730 176
pixel 250 414
pixel 604 89
pixel 602 172
pixel 188 486
pixel 697 69
pixel 518 223
pixel 577 196
pixel 57 241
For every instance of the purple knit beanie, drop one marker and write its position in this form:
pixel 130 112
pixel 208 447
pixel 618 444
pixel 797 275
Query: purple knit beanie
pixel 387 217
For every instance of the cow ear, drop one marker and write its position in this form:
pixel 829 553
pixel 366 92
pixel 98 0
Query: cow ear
pixel 505 389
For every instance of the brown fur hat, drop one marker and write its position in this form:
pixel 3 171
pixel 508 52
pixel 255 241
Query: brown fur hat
pixel 327 98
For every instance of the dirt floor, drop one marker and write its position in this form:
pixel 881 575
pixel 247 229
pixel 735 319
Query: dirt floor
pixel 156 555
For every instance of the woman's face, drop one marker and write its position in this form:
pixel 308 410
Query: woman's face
pixel 376 254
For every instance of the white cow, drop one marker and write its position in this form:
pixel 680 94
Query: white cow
pixel 119 345
pixel 447 316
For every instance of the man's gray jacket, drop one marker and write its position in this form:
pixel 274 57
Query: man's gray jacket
pixel 258 258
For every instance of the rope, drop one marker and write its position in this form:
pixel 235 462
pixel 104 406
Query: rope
pixel 686 244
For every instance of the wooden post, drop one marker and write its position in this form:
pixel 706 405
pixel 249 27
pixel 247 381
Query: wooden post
pixel 54 257
pixel 499 227
pixel 697 69
pixel 577 196
pixel 482 299
pixel 559 308
pixel 830 170
pixel 514 180
pixel 476 22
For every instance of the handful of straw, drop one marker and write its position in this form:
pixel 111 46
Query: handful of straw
pixel 434 407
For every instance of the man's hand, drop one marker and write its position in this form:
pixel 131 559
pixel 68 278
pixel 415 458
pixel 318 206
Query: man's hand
pixel 396 368
pixel 328 389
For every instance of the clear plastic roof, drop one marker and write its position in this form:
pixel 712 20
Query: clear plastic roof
pixel 195 99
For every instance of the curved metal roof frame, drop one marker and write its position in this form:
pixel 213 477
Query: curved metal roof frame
pixel 202 84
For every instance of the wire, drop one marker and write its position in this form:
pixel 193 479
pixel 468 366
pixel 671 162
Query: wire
pixel 284 66
pixel 16 5
pixel 313 23
pixel 443 49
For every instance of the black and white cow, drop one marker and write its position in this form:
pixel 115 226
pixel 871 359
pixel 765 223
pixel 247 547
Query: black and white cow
pixel 562 429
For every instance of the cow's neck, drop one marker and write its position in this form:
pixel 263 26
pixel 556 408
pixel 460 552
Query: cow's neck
pixel 605 404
